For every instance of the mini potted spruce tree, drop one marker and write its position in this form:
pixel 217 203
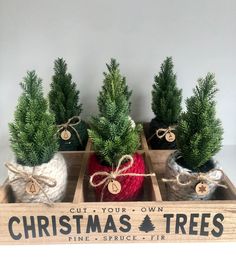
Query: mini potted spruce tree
pixel 39 172
pixel 64 103
pixel 191 171
pixel 166 105
pixel 114 136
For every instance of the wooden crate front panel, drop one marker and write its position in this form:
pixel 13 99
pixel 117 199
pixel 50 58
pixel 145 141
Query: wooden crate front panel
pixel 118 222
pixel 149 220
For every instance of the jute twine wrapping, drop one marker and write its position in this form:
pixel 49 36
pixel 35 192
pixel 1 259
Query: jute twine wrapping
pixel 181 182
pixel 71 125
pixel 50 177
pixel 114 175
pixel 161 132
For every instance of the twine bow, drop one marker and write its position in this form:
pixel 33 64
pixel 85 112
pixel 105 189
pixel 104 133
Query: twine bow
pixel 68 124
pixel 164 131
pixel 194 177
pixel 37 179
pixel 109 177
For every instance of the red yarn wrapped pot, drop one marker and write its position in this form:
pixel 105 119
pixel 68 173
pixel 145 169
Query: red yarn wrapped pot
pixel 131 186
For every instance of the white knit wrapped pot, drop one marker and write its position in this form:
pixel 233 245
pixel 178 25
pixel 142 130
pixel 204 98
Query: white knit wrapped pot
pixel 177 192
pixel 55 169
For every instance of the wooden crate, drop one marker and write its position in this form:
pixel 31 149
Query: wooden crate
pixel 79 219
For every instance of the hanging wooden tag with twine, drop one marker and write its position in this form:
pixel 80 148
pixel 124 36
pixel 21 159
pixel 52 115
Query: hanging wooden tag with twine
pixel 165 132
pixel 32 188
pixel 33 181
pixel 114 187
pixel 170 136
pixel 65 135
pixel 202 188
pixel 110 178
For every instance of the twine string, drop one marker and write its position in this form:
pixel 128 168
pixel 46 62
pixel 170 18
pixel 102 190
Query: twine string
pixel 194 177
pixel 68 124
pixel 37 179
pixel 110 176
pixel 164 131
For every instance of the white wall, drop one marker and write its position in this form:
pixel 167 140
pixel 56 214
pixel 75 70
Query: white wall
pixel 200 35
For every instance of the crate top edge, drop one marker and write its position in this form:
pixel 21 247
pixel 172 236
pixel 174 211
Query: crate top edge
pixel 199 203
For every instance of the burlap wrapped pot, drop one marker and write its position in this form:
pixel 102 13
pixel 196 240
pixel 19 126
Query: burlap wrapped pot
pixel 189 180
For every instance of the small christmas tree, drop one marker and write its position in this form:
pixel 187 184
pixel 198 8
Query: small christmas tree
pixel 64 102
pixel 114 84
pixel 166 96
pixel 112 132
pixel 147 225
pixel 63 97
pixel 199 133
pixel 33 138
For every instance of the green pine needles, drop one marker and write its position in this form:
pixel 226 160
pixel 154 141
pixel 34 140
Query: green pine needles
pixel 33 138
pixel 166 96
pixel 63 97
pixel 114 84
pixel 199 133
pixel 112 132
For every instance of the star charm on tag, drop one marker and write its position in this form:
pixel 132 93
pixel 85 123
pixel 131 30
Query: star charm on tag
pixel 32 188
pixel 202 188
pixel 170 136
pixel 114 187
pixel 65 134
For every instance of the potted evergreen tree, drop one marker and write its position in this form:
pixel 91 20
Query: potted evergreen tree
pixel 64 103
pixel 115 140
pixel 39 172
pixel 166 105
pixel 191 171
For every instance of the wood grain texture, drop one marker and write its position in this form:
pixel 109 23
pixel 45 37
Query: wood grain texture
pixel 136 212
pixel 79 219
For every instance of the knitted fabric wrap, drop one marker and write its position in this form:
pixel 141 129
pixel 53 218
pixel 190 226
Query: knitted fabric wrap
pixel 73 144
pixel 157 143
pixel 177 192
pixel 55 169
pixel 131 186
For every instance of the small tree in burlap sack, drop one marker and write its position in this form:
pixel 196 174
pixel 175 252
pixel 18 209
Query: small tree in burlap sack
pixel 199 133
pixel 33 131
pixel 166 105
pixel 64 102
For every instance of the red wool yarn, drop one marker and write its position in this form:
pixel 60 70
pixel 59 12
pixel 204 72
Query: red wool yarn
pixel 131 186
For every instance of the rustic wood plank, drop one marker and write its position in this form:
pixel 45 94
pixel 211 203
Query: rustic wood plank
pixel 205 221
pixel 78 221
pixel 79 193
pixel 4 194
